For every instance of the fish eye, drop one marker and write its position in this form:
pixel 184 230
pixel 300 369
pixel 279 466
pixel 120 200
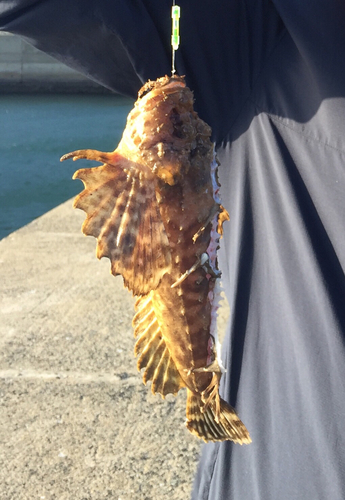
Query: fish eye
pixel 146 89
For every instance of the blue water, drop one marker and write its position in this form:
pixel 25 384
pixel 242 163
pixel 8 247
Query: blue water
pixel 35 131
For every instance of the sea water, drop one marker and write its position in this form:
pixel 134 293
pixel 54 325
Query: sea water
pixel 35 131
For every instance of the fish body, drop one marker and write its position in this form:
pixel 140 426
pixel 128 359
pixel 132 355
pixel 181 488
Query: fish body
pixel 155 210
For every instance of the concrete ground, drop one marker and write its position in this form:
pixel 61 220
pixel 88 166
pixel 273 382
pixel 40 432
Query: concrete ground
pixel 76 421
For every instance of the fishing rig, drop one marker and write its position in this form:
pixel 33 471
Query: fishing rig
pixel 175 33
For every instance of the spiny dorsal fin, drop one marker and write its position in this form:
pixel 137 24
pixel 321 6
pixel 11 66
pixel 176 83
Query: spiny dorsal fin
pixel 122 213
pixel 153 353
pixel 222 217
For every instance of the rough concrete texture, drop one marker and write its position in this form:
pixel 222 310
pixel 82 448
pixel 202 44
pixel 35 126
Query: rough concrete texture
pixel 76 421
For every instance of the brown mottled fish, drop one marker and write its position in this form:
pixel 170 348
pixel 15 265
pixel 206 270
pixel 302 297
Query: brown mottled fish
pixel 154 208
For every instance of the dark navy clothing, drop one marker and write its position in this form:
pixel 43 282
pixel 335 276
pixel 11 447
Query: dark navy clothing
pixel 269 77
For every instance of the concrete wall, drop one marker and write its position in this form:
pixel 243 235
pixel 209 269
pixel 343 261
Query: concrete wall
pixel 24 68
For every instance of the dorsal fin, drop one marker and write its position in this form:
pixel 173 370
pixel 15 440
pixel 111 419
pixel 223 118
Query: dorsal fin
pixel 153 353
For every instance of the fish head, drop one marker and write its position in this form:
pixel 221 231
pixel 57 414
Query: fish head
pixel 162 128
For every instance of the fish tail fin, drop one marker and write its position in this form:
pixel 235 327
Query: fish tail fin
pixel 210 424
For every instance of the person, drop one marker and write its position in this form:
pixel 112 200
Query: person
pixel 269 77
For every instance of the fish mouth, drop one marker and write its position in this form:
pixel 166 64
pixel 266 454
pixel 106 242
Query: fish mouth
pixel 162 86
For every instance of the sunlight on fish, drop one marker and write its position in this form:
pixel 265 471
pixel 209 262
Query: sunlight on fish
pixel 155 210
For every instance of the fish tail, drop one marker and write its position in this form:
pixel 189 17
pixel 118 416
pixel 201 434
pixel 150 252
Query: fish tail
pixel 210 424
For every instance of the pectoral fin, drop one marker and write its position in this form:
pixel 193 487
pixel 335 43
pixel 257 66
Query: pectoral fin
pixel 122 213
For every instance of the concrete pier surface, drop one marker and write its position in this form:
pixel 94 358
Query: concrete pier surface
pixel 76 421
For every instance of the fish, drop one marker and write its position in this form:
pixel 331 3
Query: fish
pixel 155 209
